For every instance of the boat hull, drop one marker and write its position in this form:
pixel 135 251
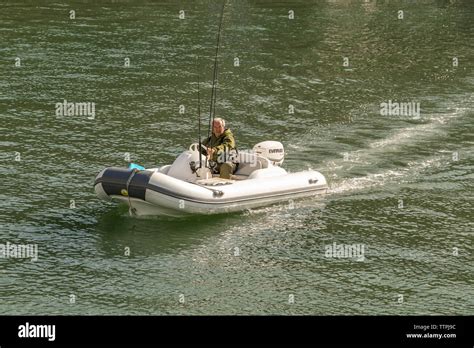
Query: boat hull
pixel 151 192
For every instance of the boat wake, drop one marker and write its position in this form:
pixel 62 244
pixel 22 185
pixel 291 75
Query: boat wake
pixel 409 174
pixel 434 127
pixel 348 172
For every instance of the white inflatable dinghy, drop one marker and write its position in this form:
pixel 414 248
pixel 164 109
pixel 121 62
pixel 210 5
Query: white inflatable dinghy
pixel 184 188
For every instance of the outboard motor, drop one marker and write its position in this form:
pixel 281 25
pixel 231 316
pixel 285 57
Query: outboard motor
pixel 271 150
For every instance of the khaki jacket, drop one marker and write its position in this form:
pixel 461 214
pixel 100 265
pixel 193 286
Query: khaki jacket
pixel 221 144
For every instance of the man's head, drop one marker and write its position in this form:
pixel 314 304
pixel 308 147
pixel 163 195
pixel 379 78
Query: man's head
pixel 218 126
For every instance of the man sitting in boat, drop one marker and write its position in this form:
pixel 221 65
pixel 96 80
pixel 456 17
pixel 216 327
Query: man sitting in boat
pixel 219 146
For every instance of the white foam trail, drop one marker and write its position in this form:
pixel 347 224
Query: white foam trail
pixel 336 167
pixel 410 173
pixel 404 135
pixel 364 182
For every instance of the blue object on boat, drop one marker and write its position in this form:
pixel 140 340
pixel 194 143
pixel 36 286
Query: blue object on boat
pixel 135 166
